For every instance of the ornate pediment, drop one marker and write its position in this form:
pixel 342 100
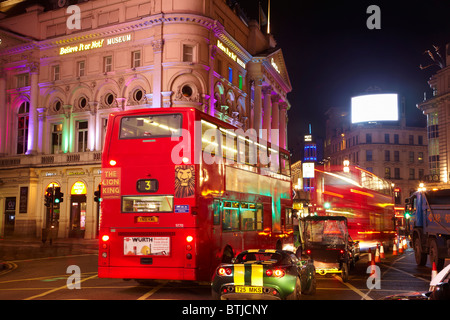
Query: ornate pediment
pixel 276 66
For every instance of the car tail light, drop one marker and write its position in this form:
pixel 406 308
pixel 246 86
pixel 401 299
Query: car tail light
pixel 342 251
pixel 224 272
pixel 279 273
pixel 308 251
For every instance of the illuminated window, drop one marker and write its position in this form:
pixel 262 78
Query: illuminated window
pixel 230 74
pixel 57 137
pixel 22 127
pixel 82 134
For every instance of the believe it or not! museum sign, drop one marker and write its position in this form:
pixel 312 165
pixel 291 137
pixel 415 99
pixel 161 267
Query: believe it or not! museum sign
pixel 94 44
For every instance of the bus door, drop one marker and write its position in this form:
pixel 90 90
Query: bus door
pixel 231 232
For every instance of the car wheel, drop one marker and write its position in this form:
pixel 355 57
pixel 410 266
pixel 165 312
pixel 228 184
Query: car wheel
pixel 296 294
pixel 312 286
pixel 344 272
pixel 421 258
pixel 434 255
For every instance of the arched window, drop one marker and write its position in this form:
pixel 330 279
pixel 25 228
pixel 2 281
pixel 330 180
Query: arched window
pixel 22 127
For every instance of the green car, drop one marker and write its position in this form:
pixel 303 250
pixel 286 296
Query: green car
pixel 264 274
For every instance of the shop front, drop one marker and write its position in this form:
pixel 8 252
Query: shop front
pixel 78 205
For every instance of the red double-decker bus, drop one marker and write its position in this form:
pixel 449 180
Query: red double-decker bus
pixel 364 198
pixel 183 191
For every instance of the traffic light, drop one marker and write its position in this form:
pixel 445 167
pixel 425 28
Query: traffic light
pixel 327 205
pixel 48 201
pixel 407 215
pixel 98 194
pixel 58 195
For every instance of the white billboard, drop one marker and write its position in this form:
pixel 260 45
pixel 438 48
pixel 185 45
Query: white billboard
pixel 375 107
pixel 308 169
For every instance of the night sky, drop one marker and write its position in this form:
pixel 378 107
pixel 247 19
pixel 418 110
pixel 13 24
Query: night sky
pixel 331 55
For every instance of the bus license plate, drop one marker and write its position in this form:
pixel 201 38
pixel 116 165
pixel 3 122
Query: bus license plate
pixel 147 219
pixel 240 289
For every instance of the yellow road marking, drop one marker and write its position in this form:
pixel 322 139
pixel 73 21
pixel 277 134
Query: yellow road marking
pixel 148 294
pixel 359 292
pixel 57 289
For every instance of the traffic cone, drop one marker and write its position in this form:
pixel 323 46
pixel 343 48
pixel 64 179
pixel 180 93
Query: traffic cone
pixel 377 255
pixel 372 267
pixel 382 256
pixel 433 271
pixel 400 247
pixel 405 244
pixel 394 249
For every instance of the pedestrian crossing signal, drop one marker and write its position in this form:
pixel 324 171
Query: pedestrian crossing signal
pixel 59 196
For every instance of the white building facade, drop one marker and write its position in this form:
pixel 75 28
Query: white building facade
pixel 58 86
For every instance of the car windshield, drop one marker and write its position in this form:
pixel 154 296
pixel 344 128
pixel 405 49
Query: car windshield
pixel 259 257
pixel 327 232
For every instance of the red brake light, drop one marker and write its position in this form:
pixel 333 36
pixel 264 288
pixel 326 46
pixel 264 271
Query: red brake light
pixel 308 251
pixel 112 163
pixel 189 239
pixel 224 272
pixel 269 272
pixel 342 251
pixel 105 238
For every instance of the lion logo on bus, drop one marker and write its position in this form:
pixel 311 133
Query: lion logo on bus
pixel 184 181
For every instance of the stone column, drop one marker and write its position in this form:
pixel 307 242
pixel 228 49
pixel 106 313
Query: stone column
pixel 41 130
pixel 3 109
pixel 33 116
pixel 283 122
pixel 157 73
pixel 275 134
pixel 258 106
pixel 267 91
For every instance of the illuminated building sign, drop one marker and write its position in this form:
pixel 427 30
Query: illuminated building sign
pixel 95 44
pixel 230 53
pixel 78 188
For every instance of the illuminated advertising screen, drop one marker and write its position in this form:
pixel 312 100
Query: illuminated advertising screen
pixel 375 107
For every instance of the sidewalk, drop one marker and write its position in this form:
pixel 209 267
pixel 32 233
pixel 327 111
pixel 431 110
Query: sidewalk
pixel 11 247
pixel 76 241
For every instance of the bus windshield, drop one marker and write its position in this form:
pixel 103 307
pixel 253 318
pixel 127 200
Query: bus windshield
pixel 327 232
pixel 151 126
